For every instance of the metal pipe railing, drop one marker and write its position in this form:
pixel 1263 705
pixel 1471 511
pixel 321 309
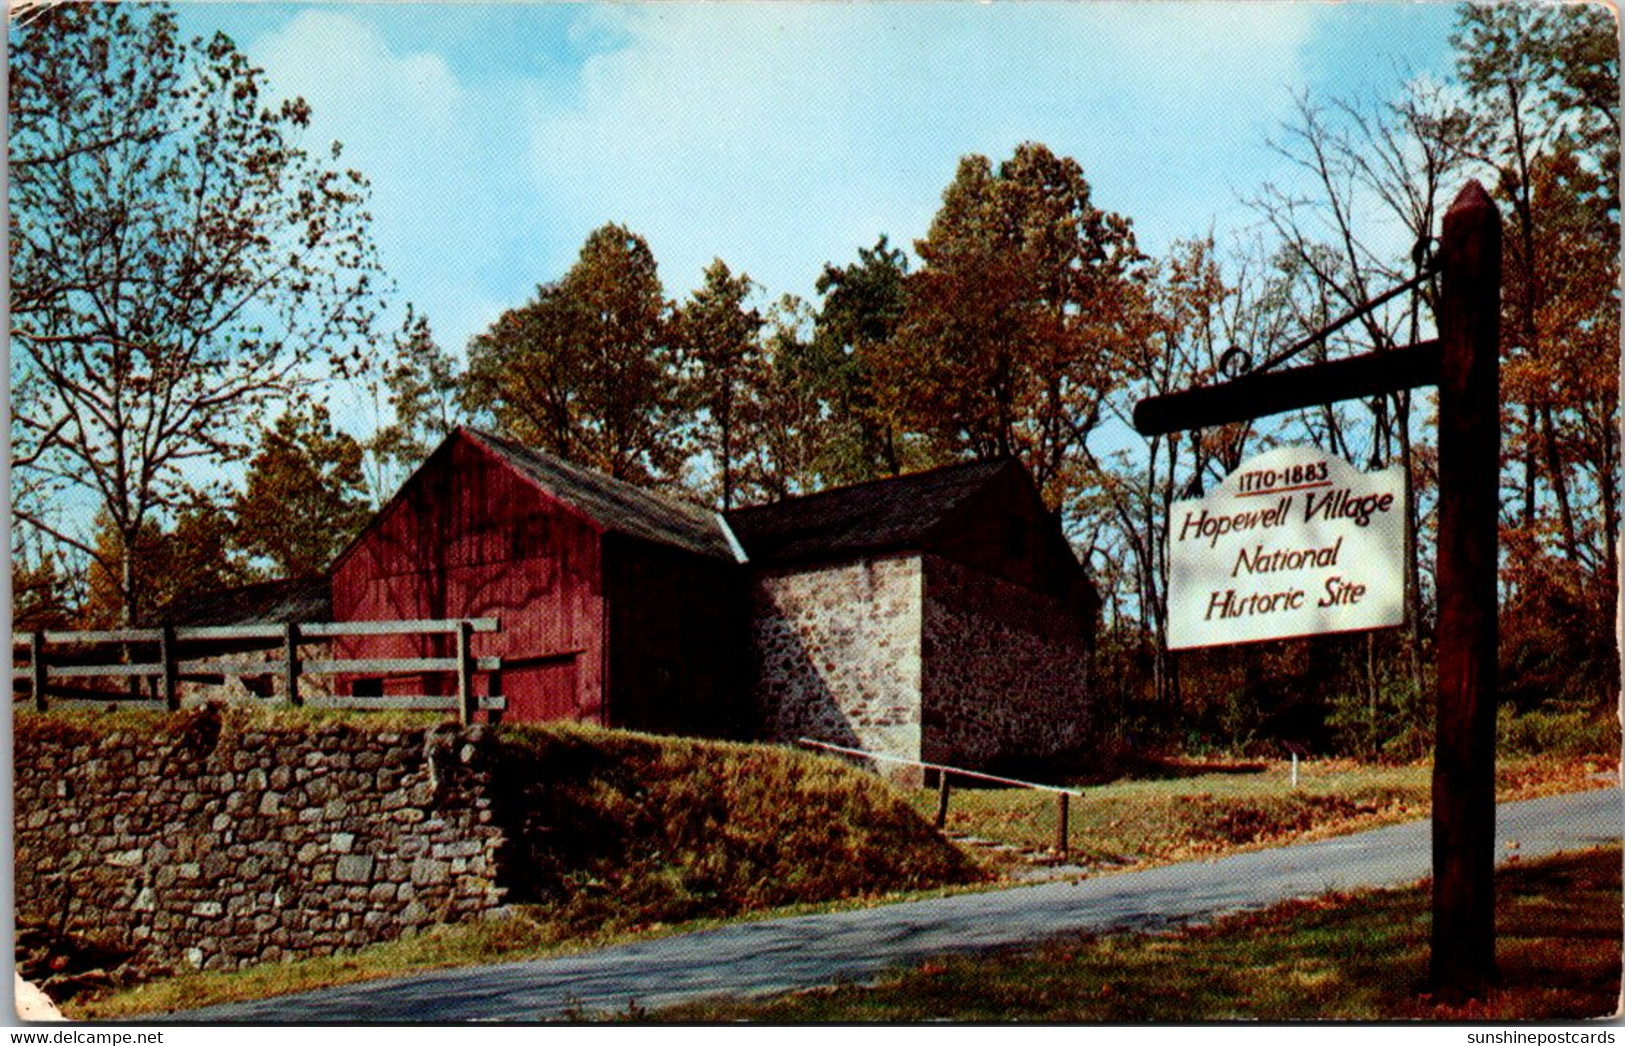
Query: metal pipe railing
pixel 938 767
pixel 1061 794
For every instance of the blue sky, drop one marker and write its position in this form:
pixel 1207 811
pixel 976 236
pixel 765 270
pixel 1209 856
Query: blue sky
pixel 781 136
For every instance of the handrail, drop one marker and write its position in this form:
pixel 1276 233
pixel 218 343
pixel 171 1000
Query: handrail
pixel 939 767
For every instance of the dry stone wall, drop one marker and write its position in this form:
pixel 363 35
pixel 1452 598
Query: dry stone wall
pixel 1005 670
pixel 838 654
pixel 214 843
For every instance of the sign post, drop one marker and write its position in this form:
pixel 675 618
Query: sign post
pixel 1465 364
pixel 1463 952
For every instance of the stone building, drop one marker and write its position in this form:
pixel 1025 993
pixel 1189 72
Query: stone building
pixel 939 616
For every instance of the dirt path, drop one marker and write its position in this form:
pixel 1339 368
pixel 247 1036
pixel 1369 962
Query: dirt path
pixel 785 954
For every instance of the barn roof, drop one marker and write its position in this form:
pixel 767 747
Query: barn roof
pixel 264 603
pixel 880 515
pixel 614 504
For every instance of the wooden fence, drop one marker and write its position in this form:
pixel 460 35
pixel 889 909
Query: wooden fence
pixel 169 665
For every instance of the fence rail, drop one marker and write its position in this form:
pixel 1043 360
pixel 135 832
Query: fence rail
pixel 39 678
pixel 1062 795
pixel 313 630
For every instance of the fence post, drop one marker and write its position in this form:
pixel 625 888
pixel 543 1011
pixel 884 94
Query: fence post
pixel 942 798
pixel 171 678
pixel 290 663
pixel 36 667
pixel 1060 823
pixel 466 703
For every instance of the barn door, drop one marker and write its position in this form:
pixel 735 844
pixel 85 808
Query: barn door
pixel 540 689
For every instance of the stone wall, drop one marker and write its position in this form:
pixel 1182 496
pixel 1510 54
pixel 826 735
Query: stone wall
pixel 1005 670
pixel 205 840
pixel 838 654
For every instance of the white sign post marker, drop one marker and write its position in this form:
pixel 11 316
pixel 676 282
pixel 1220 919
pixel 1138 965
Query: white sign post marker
pixel 1295 542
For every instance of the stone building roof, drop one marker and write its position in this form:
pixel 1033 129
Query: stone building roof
pixel 877 516
pixel 264 603
pixel 614 504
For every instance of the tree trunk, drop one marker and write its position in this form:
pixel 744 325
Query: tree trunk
pixel 1371 688
pixel 127 613
pixel 1558 476
pixel 1610 517
pixel 1528 520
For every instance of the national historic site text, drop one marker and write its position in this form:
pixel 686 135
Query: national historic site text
pixel 1295 536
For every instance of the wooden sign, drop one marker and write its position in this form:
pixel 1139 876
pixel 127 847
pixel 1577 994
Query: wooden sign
pixel 1295 542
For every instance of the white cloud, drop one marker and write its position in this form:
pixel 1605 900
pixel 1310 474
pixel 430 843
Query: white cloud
pixel 440 154
pixel 344 69
pixel 781 136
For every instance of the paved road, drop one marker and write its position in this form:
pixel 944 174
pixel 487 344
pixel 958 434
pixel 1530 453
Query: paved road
pixel 805 951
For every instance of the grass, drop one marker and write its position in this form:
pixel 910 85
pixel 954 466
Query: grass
pixel 1341 957
pixel 89 723
pixel 1189 814
pixel 1556 731
pixel 645 831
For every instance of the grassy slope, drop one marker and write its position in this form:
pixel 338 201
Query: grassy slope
pixel 642 831
pixel 1349 957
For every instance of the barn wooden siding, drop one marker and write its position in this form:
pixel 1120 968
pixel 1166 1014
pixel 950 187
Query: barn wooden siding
pixel 468 537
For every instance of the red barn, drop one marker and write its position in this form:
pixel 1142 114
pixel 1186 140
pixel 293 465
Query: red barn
pixel 616 604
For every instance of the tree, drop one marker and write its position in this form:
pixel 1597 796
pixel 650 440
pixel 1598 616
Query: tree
pixel 586 370
pixel 525 373
pixel 422 383
pixel 178 263
pixel 199 554
pixel 1533 76
pixel 1367 162
pixel 1172 340
pixel 41 594
pixel 717 338
pixel 790 432
pixel 862 307
pixel 306 494
pixel 1542 84
pixel 1010 322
